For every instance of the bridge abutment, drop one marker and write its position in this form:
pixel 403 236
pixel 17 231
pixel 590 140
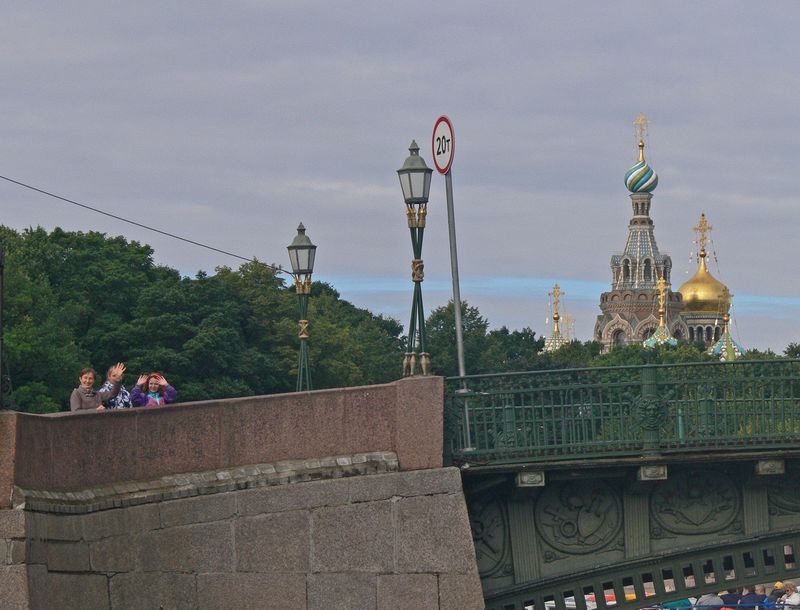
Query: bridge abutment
pixel 333 499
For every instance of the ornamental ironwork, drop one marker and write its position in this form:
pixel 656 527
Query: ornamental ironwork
pixel 650 412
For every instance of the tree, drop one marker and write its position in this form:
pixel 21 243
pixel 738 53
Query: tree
pixel 441 327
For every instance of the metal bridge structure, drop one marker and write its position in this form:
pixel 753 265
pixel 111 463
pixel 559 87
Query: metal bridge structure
pixel 629 486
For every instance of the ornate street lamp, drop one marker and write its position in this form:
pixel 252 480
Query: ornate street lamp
pixel 415 180
pixel 301 255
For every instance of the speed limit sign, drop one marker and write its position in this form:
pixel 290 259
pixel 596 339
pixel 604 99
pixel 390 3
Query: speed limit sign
pixel 444 144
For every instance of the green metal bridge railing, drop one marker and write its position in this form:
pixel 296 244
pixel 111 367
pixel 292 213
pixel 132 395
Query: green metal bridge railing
pixel 622 411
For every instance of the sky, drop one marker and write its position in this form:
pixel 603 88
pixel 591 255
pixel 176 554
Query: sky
pixel 230 123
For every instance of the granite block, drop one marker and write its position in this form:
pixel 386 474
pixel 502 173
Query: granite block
pixel 273 499
pixel 408 592
pixel 354 538
pixel 14 587
pixel 118 521
pixel 177 439
pixel 17 551
pixel 206 547
pixel 342 591
pixel 204 509
pixel 115 554
pixel 136 590
pixel 251 591
pixel 58 527
pixel 12 523
pixel 273 543
pixel 91 449
pixel 67 557
pixel 460 592
pixel 433 535
pixel 68 591
pixel 419 437
pixel 405 484
pixel 36 551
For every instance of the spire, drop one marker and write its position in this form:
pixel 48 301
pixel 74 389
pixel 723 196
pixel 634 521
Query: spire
pixel 555 340
pixel 662 334
pixel 641 178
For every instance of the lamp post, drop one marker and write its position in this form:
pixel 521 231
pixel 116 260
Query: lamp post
pixel 415 180
pixel 301 256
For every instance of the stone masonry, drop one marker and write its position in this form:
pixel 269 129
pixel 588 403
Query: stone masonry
pixel 329 499
pixel 395 540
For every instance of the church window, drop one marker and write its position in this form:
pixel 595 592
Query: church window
pixel 691 334
pixel 648 270
pixel 618 337
pixel 717 333
pixel 626 270
pixel 709 334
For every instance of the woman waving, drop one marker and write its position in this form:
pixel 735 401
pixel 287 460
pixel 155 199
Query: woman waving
pixel 152 391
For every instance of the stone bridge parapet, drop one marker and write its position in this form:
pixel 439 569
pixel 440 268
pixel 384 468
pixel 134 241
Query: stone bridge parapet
pixel 329 499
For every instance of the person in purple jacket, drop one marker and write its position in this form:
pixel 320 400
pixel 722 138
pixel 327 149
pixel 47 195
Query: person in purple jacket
pixel 152 391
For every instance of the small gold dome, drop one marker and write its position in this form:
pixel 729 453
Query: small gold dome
pixel 704 293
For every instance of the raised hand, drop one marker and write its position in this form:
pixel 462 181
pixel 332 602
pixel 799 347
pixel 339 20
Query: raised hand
pixel 117 371
pixel 162 382
pixel 142 380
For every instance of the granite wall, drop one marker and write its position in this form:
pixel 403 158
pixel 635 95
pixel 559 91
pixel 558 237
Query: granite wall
pixel 331 499
pixel 398 540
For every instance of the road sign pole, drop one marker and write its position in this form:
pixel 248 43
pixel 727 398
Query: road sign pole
pixel 443 144
pixel 451 225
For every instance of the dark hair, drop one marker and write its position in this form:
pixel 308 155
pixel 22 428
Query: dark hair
pixel 88 370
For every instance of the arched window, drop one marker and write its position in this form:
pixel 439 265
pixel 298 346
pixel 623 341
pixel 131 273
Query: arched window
pixel 648 270
pixel 618 338
pixel 709 334
pixel 626 270
pixel 717 333
pixel 691 334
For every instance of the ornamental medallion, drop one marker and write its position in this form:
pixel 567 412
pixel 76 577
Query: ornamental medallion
pixel 579 517
pixel 489 525
pixel 785 492
pixel 695 502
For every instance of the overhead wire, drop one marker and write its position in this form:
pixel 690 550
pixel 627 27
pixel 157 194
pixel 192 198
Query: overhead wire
pixel 275 268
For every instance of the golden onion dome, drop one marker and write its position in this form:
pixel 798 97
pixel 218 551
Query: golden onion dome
pixel 703 293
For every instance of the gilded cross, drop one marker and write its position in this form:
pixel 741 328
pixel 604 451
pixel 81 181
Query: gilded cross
pixel 703 229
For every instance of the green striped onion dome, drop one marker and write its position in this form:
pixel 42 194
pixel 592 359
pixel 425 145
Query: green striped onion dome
pixel 641 178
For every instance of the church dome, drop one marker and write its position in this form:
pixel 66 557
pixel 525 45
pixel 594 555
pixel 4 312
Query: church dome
pixel 641 178
pixel 703 293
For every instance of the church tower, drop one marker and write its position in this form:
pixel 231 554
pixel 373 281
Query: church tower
pixel 630 310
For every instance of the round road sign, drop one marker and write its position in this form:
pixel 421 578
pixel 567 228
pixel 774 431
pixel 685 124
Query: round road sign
pixel 443 144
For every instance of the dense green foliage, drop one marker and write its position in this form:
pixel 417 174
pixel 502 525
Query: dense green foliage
pixel 84 299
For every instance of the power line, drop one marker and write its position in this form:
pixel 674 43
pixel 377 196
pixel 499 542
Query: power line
pixel 138 224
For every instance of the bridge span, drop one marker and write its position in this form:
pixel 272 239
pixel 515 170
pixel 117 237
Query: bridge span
pixel 638 484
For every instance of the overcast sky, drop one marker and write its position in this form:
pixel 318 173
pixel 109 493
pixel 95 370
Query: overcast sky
pixel 231 122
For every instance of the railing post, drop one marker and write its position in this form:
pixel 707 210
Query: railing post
pixel 466 431
pixel 650 410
